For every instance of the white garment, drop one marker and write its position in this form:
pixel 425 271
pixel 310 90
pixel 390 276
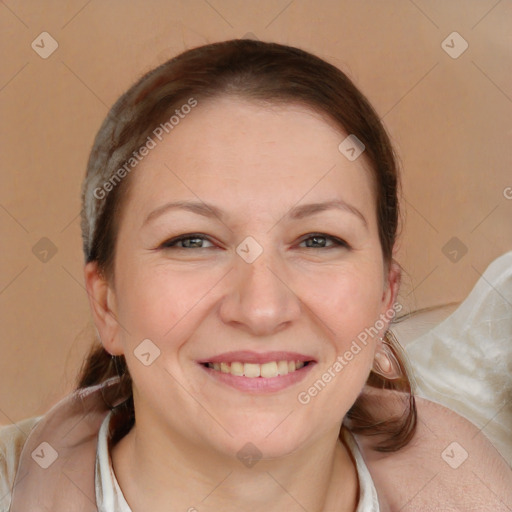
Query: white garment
pixel 465 363
pixel 368 500
pixel 12 438
pixel 109 496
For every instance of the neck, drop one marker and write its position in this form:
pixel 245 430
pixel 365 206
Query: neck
pixel 157 470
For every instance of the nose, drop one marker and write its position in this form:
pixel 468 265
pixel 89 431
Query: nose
pixel 260 298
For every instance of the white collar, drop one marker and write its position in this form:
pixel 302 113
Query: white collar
pixel 109 496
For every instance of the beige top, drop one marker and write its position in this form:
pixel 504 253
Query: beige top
pixel 109 497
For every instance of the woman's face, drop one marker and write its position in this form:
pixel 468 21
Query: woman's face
pixel 261 281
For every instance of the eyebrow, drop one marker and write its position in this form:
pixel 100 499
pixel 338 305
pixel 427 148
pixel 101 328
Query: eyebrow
pixel 297 212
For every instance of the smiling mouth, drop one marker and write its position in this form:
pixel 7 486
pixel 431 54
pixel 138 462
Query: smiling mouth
pixel 267 370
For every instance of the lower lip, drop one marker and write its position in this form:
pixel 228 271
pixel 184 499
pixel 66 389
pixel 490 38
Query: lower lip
pixel 260 384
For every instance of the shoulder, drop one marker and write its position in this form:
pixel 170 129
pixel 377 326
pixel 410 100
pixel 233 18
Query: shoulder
pixel 12 439
pixel 449 464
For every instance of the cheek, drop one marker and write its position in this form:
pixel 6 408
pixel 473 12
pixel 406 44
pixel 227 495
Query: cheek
pixel 348 300
pixel 162 307
pixel 154 300
pixel 158 303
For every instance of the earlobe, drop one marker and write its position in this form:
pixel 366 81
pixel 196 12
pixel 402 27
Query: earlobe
pixel 102 304
pixel 384 362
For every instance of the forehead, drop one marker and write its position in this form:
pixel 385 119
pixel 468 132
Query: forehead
pixel 239 149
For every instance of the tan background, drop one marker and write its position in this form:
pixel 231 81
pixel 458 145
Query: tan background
pixel 449 119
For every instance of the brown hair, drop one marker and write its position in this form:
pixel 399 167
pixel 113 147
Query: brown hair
pixel 260 71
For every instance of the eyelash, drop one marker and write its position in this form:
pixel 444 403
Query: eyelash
pixel 171 244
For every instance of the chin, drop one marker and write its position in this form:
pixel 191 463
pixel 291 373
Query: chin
pixel 265 440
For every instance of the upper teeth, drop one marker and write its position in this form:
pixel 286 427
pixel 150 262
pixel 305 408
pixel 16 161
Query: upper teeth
pixel 267 370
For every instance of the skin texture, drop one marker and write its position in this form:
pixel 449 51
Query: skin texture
pixel 255 163
pixel 448 465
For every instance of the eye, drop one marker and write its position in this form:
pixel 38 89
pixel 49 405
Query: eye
pixel 188 241
pixel 197 240
pixel 319 241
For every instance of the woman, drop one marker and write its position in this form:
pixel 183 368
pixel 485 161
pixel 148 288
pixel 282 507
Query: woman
pixel 240 214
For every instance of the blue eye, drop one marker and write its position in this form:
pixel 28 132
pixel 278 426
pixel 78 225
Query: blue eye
pixel 196 241
pixel 321 239
pixel 190 241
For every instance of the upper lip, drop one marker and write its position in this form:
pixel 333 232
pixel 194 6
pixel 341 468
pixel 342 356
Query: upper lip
pixel 247 356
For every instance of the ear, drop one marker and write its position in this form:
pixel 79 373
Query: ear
pixel 391 287
pixel 103 307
